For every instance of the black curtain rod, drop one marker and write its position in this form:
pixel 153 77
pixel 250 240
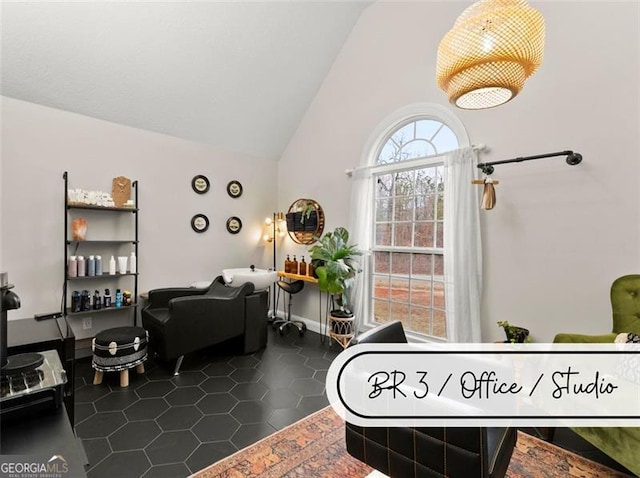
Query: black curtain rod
pixel 572 160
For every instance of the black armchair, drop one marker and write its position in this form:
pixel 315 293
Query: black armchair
pixel 181 320
pixel 429 452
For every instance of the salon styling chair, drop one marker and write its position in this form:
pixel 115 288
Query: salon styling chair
pixel 181 320
pixel 452 452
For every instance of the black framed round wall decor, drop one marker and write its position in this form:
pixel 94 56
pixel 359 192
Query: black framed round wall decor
pixel 234 225
pixel 200 184
pixel 234 189
pixel 199 223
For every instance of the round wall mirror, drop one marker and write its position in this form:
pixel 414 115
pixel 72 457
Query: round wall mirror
pixel 305 221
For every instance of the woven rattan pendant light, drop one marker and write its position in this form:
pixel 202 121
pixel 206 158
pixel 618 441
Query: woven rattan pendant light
pixel 493 47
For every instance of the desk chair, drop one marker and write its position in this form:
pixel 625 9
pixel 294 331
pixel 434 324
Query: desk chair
pixel 290 288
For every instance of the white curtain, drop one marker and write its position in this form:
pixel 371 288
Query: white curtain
pixel 360 213
pixel 462 247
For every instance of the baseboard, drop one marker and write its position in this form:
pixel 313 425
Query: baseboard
pixel 313 325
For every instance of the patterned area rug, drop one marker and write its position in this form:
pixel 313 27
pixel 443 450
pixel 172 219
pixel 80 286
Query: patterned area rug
pixel 314 447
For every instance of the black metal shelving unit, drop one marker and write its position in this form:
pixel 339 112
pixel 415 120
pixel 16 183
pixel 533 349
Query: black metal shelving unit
pixel 77 245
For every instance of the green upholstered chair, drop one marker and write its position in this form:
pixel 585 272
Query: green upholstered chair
pixel 620 443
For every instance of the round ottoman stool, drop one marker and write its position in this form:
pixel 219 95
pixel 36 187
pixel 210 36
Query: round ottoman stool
pixel 118 350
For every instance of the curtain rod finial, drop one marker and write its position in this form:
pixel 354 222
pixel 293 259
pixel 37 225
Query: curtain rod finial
pixel 574 158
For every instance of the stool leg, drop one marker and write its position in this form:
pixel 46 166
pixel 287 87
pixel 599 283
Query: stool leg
pixel 176 371
pixel 124 378
pixel 97 377
pixel 140 368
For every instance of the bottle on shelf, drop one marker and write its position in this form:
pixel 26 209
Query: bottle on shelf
pixel 98 265
pixel 133 263
pixel 85 300
pixel 294 265
pixel 303 267
pixel 76 305
pixel 122 264
pixel 97 301
pixel 287 264
pixel 91 266
pixel 107 298
pixel 311 270
pixel 112 266
pixel 72 268
pixel 82 268
pixel 118 298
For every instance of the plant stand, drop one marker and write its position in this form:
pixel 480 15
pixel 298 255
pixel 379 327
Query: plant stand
pixel 341 328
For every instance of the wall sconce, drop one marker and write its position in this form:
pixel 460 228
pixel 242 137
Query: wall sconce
pixel 493 47
pixel 275 227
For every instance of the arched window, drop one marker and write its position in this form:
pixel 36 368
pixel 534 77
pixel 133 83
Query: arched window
pixel 406 277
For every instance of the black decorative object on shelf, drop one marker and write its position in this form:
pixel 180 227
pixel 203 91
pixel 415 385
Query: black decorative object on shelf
pixel 234 189
pixel 200 223
pixel 234 225
pixel 200 184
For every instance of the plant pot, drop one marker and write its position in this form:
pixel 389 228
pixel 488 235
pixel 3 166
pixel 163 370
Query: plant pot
pixel 341 322
pixel 516 335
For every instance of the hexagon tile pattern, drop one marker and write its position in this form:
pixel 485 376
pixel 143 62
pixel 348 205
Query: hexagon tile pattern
pixel 163 425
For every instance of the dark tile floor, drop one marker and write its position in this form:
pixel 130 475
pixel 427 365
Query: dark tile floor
pixel 163 425
pixel 166 426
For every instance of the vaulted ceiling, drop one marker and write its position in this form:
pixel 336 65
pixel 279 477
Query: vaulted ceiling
pixel 237 75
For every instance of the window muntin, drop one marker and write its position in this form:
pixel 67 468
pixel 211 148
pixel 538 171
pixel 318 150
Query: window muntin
pixel 407 276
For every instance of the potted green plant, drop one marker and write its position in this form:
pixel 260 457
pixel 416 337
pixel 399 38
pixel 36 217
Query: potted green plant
pixel 336 268
pixel 516 335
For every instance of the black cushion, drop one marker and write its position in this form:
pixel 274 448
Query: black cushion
pixel 120 335
pixel 127 340
pixel 221 290
pixel 291 287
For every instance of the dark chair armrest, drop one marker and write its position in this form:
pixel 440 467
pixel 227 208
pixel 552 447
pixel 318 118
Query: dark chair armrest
pixel 161 297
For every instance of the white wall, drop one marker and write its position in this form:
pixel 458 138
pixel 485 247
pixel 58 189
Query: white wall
pixel 559 235
pixel 40 143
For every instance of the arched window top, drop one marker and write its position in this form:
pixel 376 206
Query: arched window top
pixel 415 131
pixel 417 138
